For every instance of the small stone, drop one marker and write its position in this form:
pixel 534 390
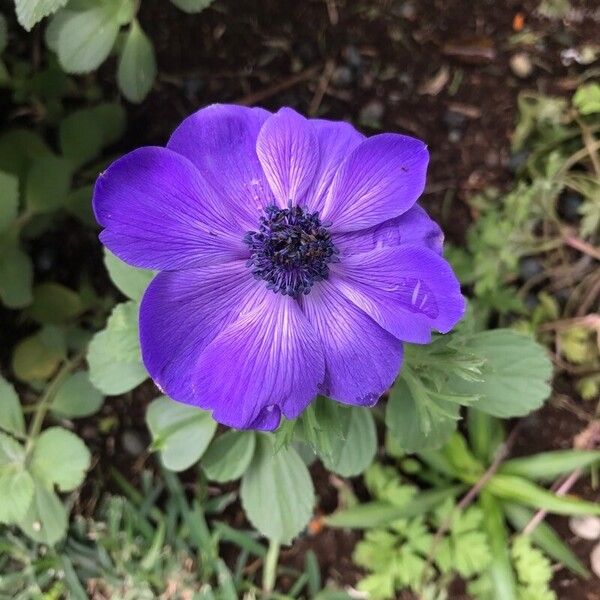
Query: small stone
pixel 454 119
pixel 587 528
pixel 521 65
pixel 342 77
pixel 455 136
pixel 372 113
pixel 569 204
pixel 530 267
pixel 353 57
pixel 132 442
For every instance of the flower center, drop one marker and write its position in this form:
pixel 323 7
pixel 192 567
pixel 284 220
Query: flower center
pixel 291 250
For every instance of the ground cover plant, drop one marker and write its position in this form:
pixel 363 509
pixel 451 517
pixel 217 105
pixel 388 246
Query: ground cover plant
pixel 450 477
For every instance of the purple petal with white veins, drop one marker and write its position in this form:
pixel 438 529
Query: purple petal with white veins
pixel 221 141
pixel 270 360
pixel 182 312
pixel 414 227
pixel 408 290
pixel 288 151
pixel 159 213
pixel 336 140
pixel 361 359
pixel 380 179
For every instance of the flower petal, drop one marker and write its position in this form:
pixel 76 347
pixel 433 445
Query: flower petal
pixel 269 360
pixel 221 141
pixel 182 312
pixel 361 359
pixel 408 290
pixel 414 227
pixel 159 213
pixel 381 179
pixel 336 140
pixel 288 151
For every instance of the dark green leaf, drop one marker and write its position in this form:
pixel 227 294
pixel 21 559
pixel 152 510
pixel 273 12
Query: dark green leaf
pixel 53 303
pixel 47 184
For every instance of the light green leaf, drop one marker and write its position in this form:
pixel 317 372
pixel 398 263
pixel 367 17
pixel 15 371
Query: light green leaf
pixel 60 458
pixel 114 353
pixel 16 494
pixel 53 303
pixel 80 137
pixel 12 454
pixel 137 65
pixel 9 199
pixel 37 356
pixel 587 98
pixel 192 6
pixel 418 420
pixel 77 397
pixel 351 456
pixel 86 38
pixel 181 433
pixel 16 275
pixel 46 519
pixel 30 12
pixel 515 376
pixel 11 414
pixel 130 280
pixel 277 492
pixel 47 183
pixel 3 33
pixel 229 455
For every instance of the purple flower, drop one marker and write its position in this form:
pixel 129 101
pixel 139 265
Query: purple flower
pixel 293 260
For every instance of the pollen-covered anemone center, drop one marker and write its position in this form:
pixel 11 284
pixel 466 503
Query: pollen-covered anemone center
pixel 291 250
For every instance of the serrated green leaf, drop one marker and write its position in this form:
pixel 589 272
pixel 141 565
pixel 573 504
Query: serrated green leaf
pixel 86 38
pixel 16 275
pixel 9 199
pixel 416 419
pixel 229 455
pixel 114 354
pixel 47 183
pixel 192 6
pixel 352 455
pixel 30 12
pixel 181 433
pixel 277 492
pixel 53 303
pixel 137 65
pixel 46 518
pixel 60 458
pixel 11 413
pixel 16 494
pixel 77 397
pixel 130 280
pixel 515 376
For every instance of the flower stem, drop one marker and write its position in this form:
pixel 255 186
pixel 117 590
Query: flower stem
pixel 270 567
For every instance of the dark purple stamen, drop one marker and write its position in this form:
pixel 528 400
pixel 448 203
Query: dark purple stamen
pixel 291 250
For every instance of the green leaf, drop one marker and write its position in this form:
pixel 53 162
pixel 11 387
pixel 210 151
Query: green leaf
pixel 547 466
pixel 38 356
pixel 46 518
pixel 351 456
pixel 79 204
pixel 485 434
pixel 192 6
pixel 60 458
pixel 18 148
pixel 229 455
pixel 515 376
pixel 181 433
pixel 16 494
pixel 137 65
pixel 112 120
pixel 30 12
pixel 277 492
pixel 417 418
pixel 77 397
pixel 12 454
pixel 9 199
pixel 11 414
pixel 545 537
pixel 517 489
pixel 86 38
pixel 80 136
pixel 114 353
pixel 53 303
pixel 587 98
pixel 130 280
pixel 16 275
pixel 47 183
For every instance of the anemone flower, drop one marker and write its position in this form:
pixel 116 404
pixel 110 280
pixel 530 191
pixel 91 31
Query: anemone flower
pixel 293 260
